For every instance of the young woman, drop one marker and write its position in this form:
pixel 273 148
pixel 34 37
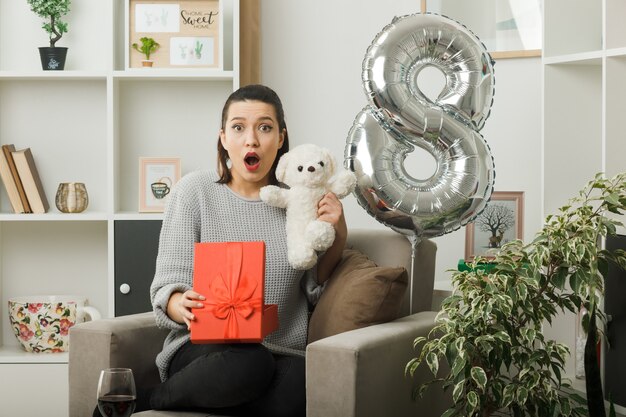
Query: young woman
pixel 237 379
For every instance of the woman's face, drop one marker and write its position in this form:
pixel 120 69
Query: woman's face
pixel 252 137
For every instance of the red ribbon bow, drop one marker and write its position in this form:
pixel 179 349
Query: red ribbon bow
pixel 236 299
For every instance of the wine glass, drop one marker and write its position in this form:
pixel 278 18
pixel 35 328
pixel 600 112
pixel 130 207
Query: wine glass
pixel 116 392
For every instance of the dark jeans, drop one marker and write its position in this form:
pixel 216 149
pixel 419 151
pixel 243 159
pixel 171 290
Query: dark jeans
pixel 233 379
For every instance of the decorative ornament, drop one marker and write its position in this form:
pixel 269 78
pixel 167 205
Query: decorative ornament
pixel 400 118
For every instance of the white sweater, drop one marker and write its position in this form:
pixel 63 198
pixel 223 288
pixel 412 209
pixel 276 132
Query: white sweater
pixel 200 210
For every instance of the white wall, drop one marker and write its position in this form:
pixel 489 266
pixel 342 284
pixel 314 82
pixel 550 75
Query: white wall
pixel 312 54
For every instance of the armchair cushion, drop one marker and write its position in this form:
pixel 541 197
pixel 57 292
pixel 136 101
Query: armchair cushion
pixel 359 293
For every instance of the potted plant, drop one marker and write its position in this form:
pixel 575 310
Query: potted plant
pixel 148 46
pixel 490 330
pixel 52 11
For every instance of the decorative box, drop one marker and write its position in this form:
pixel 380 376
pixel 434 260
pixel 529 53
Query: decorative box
pixel 231 275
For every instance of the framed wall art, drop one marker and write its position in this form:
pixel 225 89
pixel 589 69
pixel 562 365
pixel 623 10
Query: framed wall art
pixel 157 176
pixel 502 221
pixel 189 33
pixel 508 28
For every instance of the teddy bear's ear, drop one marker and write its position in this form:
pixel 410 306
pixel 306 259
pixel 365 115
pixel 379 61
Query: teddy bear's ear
pixel 330 159
pixel 281 167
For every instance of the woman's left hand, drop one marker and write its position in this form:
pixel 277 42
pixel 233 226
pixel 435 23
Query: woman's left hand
pixel 330 210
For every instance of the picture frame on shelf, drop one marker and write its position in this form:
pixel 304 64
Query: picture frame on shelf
pixel 508 28
pixel 189 33
pixel 157 176
pixel 500 222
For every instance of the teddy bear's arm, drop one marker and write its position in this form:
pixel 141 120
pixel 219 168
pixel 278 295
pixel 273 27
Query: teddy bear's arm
pixel 343 184
pixel 274 196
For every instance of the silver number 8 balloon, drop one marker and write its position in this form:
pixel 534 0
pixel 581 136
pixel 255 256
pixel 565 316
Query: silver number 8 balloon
pixel 400 118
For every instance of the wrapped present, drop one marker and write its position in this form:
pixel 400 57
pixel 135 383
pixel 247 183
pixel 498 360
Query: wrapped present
pixel 231 275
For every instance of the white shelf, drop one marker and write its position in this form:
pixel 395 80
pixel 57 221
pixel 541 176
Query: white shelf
pixel 180 74
pixel 583 69
pixel 52 75
pixel 53 217
pixel 15 354
pixel 91 123
pixel 616 52
pixel 583 58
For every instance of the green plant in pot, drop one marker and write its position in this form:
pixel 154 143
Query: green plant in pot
pixel 52 12
pixel 490 330
pixel 148 46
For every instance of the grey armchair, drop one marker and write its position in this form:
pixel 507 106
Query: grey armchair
pixel 359 373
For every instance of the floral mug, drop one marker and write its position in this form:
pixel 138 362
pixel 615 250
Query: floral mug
pixel 42 323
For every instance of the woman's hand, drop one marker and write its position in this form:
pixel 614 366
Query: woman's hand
pixel 180 304
pixel 330 210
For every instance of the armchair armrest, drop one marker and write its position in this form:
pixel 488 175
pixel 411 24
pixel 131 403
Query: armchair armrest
pixel 129 342
pixel 360 373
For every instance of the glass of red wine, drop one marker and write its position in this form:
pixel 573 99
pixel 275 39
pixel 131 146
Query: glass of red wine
pixel 116 392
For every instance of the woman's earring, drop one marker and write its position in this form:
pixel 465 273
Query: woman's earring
pixel 229 163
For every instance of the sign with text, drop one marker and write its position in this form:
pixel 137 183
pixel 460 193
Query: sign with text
pixel 187 33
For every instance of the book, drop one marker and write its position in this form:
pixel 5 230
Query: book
pixel 29 176
pixel 12 181
pixel 9 183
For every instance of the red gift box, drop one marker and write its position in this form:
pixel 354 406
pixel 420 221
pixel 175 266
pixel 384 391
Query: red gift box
pixel 231 275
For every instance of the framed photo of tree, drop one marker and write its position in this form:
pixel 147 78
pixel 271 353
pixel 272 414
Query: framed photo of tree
pixel 502 221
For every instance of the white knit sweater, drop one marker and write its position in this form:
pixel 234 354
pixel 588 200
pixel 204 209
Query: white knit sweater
pixel 201 210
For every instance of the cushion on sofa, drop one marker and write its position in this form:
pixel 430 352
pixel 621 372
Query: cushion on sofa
pixel 358 294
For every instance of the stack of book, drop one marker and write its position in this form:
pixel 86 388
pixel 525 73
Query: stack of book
pixel 21 180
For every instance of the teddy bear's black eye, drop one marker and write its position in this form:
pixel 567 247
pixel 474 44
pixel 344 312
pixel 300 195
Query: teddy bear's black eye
pixel 300 168
pixel 322 164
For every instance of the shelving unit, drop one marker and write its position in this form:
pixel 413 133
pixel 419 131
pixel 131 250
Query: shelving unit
pixel 90 123
pixel 584 62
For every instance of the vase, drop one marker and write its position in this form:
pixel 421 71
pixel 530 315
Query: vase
pixel 72 197
pixel 53 58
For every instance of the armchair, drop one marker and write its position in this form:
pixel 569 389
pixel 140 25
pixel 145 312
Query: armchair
pixel 359 373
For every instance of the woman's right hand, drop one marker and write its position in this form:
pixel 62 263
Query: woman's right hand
pixel 180 304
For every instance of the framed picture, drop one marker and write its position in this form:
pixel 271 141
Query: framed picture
pixel 502 221
pixel 508 28
pixel 157 176
pixel 189 33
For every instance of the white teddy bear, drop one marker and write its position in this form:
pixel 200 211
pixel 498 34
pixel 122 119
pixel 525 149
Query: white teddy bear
pixel 308 170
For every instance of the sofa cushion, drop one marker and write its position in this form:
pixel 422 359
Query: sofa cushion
pixel 358 294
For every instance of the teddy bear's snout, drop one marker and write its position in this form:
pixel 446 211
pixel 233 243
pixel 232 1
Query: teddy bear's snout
pixel 311 169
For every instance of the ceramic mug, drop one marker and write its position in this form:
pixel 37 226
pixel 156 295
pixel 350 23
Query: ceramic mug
pixel 42 323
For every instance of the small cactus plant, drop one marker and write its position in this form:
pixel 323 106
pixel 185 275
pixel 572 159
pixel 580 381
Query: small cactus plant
pixel 198 49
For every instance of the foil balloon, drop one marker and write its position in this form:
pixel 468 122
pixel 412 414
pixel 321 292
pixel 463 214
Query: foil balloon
pixel 401 118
